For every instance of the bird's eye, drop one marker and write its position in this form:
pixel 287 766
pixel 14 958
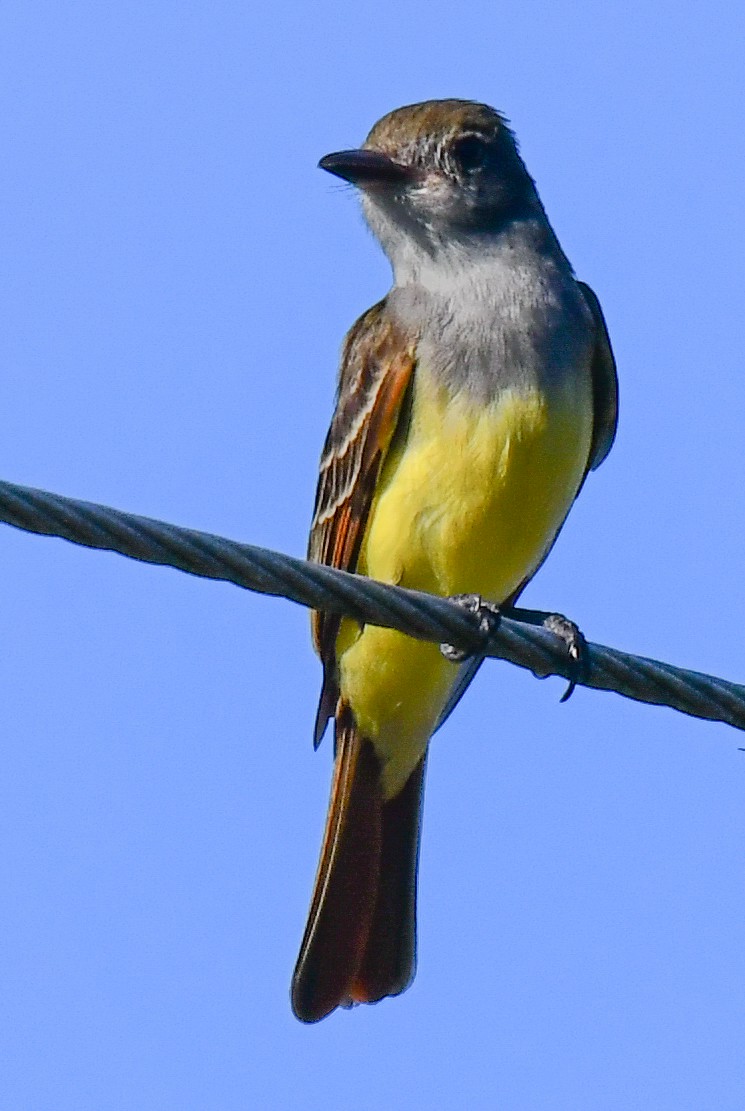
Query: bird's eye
pixel 470 152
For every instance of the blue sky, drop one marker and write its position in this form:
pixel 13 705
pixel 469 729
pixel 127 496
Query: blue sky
pixel 177 277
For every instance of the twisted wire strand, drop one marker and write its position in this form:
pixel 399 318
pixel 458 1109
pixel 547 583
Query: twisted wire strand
pixel 420 615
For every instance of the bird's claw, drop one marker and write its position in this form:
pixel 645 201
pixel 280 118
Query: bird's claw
pixel 488 613
pixel 576 647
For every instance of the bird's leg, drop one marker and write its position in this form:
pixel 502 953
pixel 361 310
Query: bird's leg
pixel 565 630
pixel 488 613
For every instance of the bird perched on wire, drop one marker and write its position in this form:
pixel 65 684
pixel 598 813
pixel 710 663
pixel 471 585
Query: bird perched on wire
pixel 473 401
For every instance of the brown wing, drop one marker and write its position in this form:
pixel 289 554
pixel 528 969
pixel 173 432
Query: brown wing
pixel 604 385
pixel 376 367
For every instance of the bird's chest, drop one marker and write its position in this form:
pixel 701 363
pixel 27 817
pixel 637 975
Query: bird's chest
pixel 478 485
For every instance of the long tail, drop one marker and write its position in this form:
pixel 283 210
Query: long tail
pixel 360 940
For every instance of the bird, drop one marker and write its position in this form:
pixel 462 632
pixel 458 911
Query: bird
pixel 472 402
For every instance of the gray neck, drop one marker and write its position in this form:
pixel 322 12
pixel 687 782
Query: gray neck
pixel 492 311
pixel 456 257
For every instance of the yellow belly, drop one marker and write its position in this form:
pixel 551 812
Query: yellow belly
pixel 467 503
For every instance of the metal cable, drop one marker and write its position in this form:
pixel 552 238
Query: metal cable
pixel 323 588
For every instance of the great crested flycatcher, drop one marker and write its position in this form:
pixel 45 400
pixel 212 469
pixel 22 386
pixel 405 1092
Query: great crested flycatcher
pixel 473 401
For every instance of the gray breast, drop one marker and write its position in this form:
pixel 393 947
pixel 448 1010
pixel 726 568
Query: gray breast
pixel 509 317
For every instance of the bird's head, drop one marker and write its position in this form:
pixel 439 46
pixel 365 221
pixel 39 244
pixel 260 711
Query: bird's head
pixel 439 174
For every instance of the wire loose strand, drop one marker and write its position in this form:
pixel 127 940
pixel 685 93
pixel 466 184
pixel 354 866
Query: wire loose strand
pixel 420 615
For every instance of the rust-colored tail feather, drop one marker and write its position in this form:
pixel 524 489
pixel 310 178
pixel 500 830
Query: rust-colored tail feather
pixel 360 941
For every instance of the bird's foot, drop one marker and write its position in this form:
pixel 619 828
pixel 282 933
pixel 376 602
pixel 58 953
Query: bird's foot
pixel 576 646
pixel 566 631
pixel 488 613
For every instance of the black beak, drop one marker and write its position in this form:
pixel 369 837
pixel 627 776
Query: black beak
pixel 366 167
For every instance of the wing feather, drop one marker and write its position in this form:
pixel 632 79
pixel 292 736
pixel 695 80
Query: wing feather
pixel 604 385
pixel 376 368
